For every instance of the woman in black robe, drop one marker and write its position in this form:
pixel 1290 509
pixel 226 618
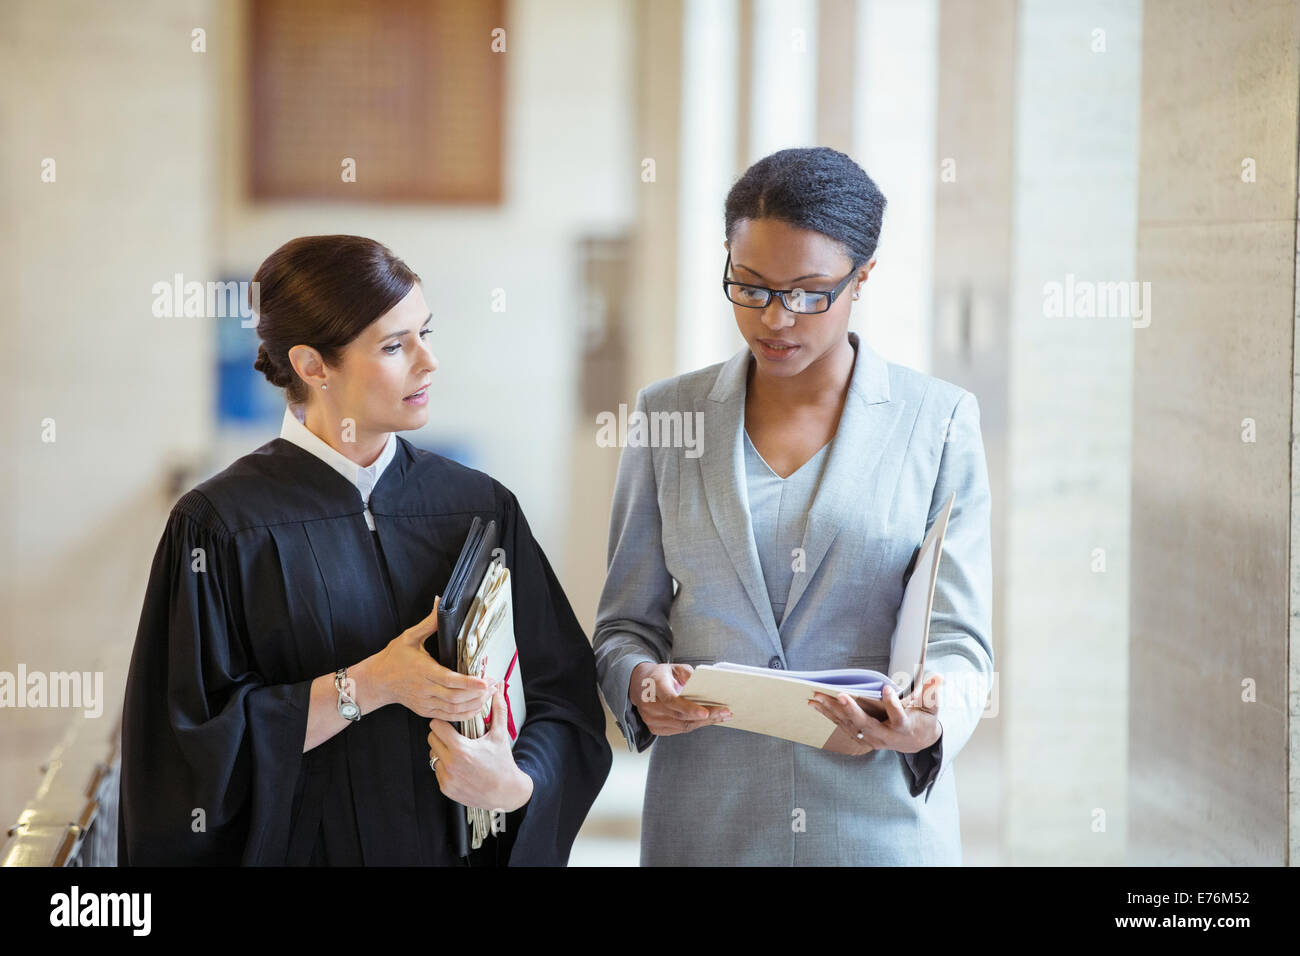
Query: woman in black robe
pixel 271 576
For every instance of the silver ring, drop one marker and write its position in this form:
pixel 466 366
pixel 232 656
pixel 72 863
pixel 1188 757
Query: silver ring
pixel 434 760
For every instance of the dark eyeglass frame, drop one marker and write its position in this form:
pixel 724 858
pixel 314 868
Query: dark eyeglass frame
pixel 831 295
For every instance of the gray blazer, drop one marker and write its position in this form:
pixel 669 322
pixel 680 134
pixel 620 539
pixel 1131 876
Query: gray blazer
pixel 684 584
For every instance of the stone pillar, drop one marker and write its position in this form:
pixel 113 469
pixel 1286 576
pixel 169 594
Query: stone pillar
pixel 1213 404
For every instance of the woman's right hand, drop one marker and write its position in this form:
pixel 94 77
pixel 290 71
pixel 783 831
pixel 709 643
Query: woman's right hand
pixel 654 690
pixel 407 675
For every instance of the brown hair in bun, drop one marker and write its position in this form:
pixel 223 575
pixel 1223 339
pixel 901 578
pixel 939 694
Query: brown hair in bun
pixel 322 291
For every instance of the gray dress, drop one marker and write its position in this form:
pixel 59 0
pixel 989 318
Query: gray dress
pixel 778 509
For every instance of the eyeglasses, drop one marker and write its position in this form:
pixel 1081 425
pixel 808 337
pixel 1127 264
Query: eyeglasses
pixel 800 301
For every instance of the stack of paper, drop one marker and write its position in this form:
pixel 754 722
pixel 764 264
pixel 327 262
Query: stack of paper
pixel 486 648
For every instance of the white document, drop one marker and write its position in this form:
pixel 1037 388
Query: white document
pixel 774 702
pixel 912 630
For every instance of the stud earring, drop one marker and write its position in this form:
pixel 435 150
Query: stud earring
pixel 326 386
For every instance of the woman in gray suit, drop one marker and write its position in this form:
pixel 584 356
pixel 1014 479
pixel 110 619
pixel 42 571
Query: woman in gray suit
pixel 784 540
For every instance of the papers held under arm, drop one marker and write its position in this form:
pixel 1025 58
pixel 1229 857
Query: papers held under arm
pixel 486 648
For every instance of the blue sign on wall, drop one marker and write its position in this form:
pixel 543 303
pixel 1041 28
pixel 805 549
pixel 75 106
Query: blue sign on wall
pixel 244 396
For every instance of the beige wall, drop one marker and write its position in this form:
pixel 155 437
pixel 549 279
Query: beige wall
pixel 125 110
pixel 507 381
pixel 1211 512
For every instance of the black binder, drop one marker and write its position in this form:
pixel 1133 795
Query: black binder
pixel 464 583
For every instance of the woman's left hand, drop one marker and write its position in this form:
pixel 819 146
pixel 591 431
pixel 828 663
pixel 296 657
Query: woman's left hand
pixel 479 773
pixel 910 725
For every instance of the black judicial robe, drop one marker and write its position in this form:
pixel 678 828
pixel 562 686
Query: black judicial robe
pixel 295 586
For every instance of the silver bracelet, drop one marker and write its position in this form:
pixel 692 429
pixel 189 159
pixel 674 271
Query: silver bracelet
pixel 347 705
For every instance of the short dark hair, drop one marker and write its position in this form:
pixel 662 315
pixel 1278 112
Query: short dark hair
pixel 322 291
pixel 815 188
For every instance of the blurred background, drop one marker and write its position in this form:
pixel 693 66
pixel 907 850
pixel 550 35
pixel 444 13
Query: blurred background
pixel 1091 225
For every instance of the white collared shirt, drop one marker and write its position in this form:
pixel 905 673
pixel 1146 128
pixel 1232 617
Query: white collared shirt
pixel 294 430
